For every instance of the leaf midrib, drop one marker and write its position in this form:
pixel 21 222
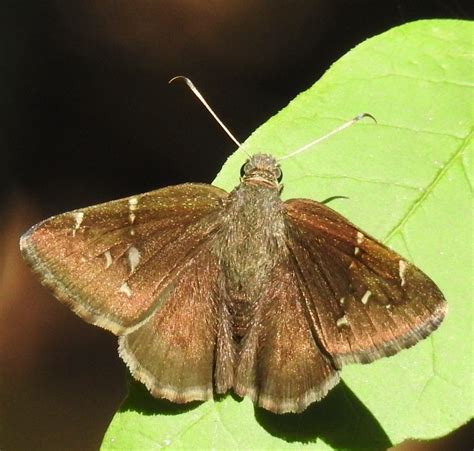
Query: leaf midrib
pixel 429 189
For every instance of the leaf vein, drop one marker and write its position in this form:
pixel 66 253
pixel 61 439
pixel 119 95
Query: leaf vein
pixel 410 77
pixel 356 179
pixel 426 192
pixel 397 127
pixel 466 174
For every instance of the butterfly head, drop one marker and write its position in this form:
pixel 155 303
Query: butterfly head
pixel 261 169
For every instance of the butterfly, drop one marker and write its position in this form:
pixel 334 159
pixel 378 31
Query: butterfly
pixel 212 291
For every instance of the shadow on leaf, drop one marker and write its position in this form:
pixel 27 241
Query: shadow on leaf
pixel 340 420
pixel 140 400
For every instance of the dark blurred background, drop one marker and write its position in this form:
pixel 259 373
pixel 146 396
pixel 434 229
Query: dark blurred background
pixel 86 115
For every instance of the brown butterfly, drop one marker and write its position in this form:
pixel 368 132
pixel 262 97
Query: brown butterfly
pixel 211 291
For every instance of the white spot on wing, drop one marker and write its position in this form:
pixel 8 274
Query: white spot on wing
pixel 108 259
pixel 342 321
pixel 402 267
pixel 366 297
pixel 356 250
pixel 133 258
pixel 125 289
pixel 132 203
pixel 132 206
pixel 360 237
pixel 78 218
pixel 342 300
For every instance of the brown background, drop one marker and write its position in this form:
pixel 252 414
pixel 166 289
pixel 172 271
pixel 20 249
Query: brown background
pixel 87 116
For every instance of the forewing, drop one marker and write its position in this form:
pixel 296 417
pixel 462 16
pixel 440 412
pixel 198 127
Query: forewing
pixel 366 301
pixel 282 367
pixel 113 263
pixel 173 353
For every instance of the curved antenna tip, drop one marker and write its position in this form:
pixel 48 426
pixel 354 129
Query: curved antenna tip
pixel 364 115
pixel 180 77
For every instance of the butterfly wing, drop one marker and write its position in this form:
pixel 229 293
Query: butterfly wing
pixel 173 353
pixel 364 299
pixel 282 367
pixel 114 263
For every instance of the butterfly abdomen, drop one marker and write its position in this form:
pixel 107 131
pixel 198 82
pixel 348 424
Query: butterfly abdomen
pixel 249 246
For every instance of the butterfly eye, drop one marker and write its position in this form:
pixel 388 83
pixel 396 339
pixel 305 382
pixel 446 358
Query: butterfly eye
pixel 278 174
pixel 244 169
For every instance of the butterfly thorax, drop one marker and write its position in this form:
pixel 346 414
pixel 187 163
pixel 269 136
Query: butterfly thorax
pixel 249 245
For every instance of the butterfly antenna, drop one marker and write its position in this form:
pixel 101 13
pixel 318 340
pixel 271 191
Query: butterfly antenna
pixel 333 132
pixel 203 101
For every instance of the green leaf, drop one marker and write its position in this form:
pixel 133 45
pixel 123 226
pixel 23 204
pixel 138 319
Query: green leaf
pixel 409 181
